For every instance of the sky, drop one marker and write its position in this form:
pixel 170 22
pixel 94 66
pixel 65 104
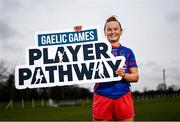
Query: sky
pixel 151 30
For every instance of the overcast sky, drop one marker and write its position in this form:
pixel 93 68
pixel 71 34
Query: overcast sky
pixel 151 30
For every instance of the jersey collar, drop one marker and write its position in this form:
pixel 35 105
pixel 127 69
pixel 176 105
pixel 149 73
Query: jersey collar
pixel 116 46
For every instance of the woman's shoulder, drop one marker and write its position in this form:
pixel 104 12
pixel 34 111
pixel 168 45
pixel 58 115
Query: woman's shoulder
pixel 126 48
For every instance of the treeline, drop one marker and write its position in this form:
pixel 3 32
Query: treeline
pixel 74 92
pixel 8 92
pixel 156 94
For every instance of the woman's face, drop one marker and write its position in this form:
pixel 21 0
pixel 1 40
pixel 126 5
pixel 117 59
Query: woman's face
pixel 113 31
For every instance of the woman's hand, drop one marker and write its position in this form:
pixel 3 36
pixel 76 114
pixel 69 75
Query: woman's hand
pixel 131 76
pixel 78 28
pixel 121 72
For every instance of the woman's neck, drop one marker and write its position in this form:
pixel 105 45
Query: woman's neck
pixel 117 44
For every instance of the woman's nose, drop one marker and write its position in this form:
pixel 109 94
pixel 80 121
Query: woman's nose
pixel 112 31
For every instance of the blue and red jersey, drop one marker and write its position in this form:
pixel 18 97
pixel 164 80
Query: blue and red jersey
pixel 117 89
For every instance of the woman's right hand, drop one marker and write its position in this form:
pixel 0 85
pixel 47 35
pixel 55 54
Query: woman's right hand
pixel 78 28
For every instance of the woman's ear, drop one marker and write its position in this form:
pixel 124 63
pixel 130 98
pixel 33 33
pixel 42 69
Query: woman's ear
pixel 121 32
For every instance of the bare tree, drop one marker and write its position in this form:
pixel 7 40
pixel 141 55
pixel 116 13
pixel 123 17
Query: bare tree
pixel 161 87
pixel 3 71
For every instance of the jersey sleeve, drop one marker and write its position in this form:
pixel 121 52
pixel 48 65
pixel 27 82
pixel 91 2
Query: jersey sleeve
pixel 131 60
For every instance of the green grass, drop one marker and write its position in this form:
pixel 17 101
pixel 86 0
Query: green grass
pixel 164 109
pixel 46 113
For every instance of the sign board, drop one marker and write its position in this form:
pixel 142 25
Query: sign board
pixel 68 58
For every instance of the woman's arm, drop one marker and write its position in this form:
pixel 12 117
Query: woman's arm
pixel 132 76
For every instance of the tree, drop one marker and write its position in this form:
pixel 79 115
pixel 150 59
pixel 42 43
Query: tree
pixel 173 88
pixel 161 87
pixel 10 86
pixel 3 71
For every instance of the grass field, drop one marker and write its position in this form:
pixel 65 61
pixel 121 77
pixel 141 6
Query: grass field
pixel 164 109
pixel 158 110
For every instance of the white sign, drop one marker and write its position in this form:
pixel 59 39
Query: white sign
pixel 68 58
